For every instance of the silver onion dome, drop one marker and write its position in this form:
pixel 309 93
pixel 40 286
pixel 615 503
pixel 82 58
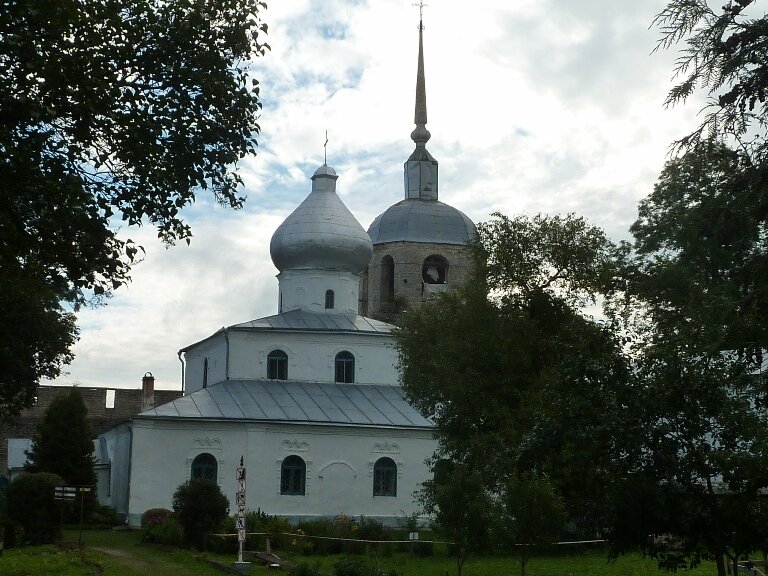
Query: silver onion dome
pixel 321 233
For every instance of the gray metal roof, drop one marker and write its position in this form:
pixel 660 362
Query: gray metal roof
pixel 303 402
pixel 306 320
pixel 321 232
pixel 415 220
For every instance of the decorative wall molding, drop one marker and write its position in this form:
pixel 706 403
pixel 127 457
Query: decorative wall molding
pixel 386 447
pixel 206 443
pixel 342 462
pixel 295 445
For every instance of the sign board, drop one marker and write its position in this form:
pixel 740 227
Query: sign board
pixel 240 499
pixel 241 510
pixel 241 535
pixel 240 474
pixel 413 536
pixel 240 522
pixel 241 486
pixel 64 492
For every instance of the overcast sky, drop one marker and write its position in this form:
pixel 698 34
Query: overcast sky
pixel 548 106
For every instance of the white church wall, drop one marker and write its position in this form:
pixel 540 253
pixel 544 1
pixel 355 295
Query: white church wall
pixel 214 350
pixel 311 357
pixel 306 289
pixel 339 462
pixel 116 456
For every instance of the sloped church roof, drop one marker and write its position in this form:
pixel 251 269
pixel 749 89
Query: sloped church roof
pixel 295 402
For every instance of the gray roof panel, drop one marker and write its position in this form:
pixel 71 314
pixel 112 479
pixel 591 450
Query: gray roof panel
pixel 305 320
pixel 289 401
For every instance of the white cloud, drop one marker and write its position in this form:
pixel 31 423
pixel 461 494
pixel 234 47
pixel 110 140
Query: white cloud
pixel 534 106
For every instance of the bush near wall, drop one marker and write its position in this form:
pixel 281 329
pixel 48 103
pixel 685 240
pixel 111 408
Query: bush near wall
pixel 32 512
pixel 201 508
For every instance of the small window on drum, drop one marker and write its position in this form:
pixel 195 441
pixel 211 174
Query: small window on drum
pixel 387 288
pixel 329 297
pixel 434 270
pixel 277 365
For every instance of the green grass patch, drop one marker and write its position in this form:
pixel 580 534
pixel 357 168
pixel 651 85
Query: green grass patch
pixel 48 561
pixel 123 554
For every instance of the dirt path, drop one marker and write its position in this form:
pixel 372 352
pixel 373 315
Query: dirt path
pixel 129 558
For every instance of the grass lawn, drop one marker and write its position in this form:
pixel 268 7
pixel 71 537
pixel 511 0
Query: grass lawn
pixel 587 564
pixel 121 554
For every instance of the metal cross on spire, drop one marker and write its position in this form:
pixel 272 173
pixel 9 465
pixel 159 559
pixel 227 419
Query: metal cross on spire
pixel 325 150
pixel 421 12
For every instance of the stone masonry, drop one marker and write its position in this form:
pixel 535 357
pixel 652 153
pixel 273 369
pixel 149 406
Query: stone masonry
pixel 408 286
pixel 127 403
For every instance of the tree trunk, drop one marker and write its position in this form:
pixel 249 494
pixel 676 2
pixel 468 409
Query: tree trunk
pixel 720 564
pixel 523 562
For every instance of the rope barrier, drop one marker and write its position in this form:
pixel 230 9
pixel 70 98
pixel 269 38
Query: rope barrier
pixel 292 535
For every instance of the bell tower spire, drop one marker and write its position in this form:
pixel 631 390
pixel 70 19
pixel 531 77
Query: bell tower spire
pixel 421 168
pixel 420 135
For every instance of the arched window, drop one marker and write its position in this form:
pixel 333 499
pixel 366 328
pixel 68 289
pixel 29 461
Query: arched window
pixel 328 299
pixel 293 475
pixel 387 279
pixel 205 373
pixel 277 365
pixel 345 367
pixel 205 466
pixel 435 270
pixel 385 477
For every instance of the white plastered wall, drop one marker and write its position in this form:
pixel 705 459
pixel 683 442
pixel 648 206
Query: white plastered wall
pixel 311 357
pixel 305 289
pixel 215 350
pixel 339 462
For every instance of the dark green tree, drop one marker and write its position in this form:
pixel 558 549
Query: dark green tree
pixel 200 508
pixel 459 501
pixel 696 302
pixel 532 516
pixel 110 112
pixel 725 55
pixel 31 508
pixel 515 375
pixel 485 361
pixel 63 443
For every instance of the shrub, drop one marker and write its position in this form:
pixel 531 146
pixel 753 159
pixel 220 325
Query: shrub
pixel 155 516
pixel 103 516
pixel 200 508
pixel 30 507
pixel 167 532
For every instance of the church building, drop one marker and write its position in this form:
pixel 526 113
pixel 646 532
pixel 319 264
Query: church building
pixel 310 397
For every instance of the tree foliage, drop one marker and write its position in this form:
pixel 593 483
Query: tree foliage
pixel 703 238
pixel 109 112
pixel 63 444
pixel 200 508
pixel 696 294
pixel 696 285
pixel 516 376
pixel 725 53
pixel 31 508
pixel 458 499
pixel 532 515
